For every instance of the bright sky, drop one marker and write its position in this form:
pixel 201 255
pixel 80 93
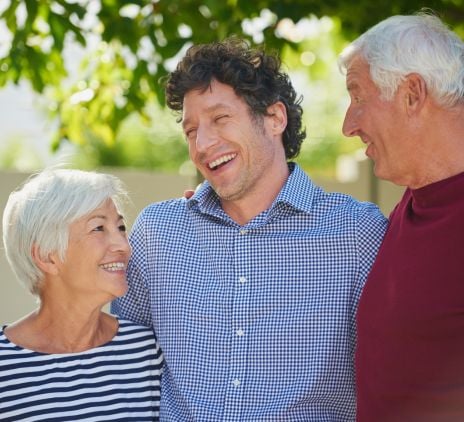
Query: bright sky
pixel 22 116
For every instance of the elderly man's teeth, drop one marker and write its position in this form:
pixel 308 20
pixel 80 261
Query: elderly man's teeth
pixel 221 160
pixel 113 266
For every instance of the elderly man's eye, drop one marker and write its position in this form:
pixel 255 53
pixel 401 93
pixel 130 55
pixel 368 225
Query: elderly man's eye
pixel 221 117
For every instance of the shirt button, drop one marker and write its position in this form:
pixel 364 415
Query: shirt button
pixel 236 382
pixel 243 231
pixel 240 332
pixel 242 279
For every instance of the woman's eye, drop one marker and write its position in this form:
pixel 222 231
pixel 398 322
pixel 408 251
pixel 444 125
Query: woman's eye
pixel 98 229
pixel 122 228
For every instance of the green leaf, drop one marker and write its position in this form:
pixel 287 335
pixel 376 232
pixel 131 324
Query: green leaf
pixel 32 9
pixel 122 92
pixel 9 16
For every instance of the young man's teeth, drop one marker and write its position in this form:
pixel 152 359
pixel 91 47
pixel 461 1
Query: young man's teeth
pixel 113 266
pixel 221 160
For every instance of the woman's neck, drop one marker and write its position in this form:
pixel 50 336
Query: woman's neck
pixel 48 331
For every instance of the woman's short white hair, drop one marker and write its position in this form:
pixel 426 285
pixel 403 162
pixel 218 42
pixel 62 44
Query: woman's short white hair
pixel 39 213
pixel 401 45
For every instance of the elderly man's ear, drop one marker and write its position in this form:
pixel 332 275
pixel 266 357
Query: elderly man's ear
pixel 416 93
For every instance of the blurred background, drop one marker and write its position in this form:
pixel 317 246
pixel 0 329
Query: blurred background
pixel 81 83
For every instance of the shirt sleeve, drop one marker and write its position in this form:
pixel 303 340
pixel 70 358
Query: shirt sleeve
pixel 371 227
pixel 135 304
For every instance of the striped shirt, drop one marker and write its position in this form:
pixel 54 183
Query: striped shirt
pixel 256 322
pixel 118 381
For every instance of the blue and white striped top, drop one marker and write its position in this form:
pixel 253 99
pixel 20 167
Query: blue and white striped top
pixel 118 381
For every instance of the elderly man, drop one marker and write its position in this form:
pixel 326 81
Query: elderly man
pixel 405 77
pixel 252 284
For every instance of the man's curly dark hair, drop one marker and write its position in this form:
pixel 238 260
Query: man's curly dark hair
pixel 254 75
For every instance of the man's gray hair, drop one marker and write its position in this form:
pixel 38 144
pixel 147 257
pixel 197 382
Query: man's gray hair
pixel 401 45
pixel 40 212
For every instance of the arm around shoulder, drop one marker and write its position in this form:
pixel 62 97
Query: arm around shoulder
pixel 135 304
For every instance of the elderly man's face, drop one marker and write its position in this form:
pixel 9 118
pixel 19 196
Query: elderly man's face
pixel 380 124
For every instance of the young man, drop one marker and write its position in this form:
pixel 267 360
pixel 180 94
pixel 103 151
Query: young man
pixel 252 284
pixel 405 77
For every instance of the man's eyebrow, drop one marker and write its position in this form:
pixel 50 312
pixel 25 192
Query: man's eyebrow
pixel 211 108
pixel 217 106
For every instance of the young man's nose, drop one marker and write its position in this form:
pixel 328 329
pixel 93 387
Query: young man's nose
pixel 205 139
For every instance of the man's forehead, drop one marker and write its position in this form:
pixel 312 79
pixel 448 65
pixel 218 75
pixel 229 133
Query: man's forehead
pixel 356 70
pixel 217 96
pixel 357 65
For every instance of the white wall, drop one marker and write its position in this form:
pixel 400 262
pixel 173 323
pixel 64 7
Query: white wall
pixel 147 187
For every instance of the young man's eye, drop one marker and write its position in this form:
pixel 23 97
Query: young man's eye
pixel 190 134
pixel 122 228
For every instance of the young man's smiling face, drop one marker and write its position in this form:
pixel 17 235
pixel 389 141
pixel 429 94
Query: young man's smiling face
pixel 238 153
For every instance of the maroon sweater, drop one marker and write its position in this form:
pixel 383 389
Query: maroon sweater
pixel 410 353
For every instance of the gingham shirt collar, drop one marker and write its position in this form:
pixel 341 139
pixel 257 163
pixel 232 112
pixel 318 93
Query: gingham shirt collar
pixel 296 193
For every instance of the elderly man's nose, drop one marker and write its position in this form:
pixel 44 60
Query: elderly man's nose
pixel 350 126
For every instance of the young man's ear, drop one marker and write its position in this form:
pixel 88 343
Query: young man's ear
pixel 277 114
pixel 416 93
pixel 48 264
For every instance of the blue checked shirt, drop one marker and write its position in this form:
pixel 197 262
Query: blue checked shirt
pixel 256 322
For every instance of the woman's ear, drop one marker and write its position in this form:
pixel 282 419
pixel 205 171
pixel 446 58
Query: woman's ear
pixel 48 264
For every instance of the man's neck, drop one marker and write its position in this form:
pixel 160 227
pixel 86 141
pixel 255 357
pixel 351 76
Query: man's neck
pixel 243 210
pixel 441 149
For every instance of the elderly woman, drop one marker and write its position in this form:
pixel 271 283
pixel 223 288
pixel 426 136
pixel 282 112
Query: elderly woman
pixel 65 239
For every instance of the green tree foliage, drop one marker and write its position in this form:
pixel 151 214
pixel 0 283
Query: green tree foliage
pixel 132 45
